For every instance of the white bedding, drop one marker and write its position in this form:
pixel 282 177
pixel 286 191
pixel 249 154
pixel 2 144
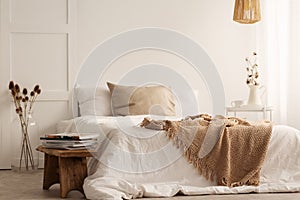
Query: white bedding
pixel 137 162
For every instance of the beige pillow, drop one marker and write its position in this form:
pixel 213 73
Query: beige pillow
pixel 131 100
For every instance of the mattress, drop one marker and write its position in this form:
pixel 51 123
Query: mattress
pixel 133 162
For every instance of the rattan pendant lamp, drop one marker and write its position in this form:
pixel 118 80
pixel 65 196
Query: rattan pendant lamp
pixel 247 11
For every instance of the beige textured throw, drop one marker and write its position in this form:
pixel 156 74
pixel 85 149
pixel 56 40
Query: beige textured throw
pixel 233 152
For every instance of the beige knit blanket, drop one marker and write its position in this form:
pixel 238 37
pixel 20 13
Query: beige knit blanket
pixel 231 150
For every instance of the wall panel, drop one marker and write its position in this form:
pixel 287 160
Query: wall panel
pixel 40 58
pixel 36 49
pixel 49 113
pixel 41 12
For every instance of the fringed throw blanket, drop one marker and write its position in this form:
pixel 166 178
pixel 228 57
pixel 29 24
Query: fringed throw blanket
pixel 231 150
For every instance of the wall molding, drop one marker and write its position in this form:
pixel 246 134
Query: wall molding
pixel 60 97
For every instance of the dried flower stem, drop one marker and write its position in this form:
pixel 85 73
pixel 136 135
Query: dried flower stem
pixel 24 105
pixel 252 70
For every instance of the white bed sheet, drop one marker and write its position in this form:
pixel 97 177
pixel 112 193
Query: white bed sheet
pixel 137 162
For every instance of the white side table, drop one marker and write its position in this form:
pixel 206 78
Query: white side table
pixel 264 110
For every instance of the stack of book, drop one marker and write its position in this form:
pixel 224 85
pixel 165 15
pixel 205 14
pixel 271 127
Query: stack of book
pixel 69 141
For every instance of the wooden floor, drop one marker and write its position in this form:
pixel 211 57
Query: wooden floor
pixel 29 186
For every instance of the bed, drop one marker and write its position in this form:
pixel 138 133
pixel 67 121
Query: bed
pixel 134 162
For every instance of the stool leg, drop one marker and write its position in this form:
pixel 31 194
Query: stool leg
pixel 51 175
pixel 72 172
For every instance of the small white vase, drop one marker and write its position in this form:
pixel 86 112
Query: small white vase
pixel 254 95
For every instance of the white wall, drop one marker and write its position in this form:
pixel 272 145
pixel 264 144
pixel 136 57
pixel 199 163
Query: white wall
pixel 36 48
pixel 46 41
pixel 209 23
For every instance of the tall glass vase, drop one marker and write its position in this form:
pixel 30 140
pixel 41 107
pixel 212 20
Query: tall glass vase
pixel 25 138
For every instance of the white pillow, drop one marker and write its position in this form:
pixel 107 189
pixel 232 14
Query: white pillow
pixel 93 101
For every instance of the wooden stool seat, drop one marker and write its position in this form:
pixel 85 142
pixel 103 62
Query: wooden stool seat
pixel 67 167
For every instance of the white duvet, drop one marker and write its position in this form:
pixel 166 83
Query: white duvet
pixel 134 162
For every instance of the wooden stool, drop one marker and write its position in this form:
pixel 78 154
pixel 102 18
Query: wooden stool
pixel 67 167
